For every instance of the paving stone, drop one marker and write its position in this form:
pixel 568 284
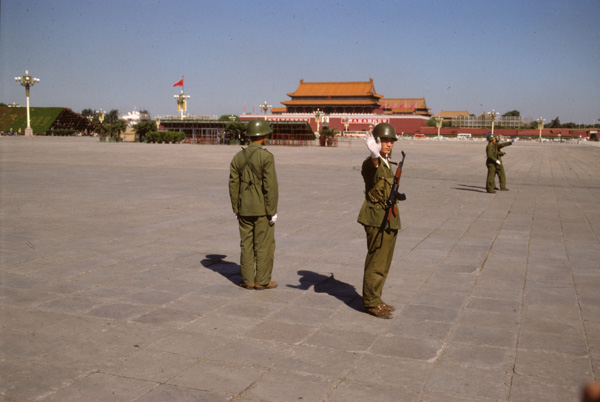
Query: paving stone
pixel 218 377
pixel 391 370
pixel 172 393
pixel 469 381
pixel 99 386
pixel 289 385
pixel 552 365
pixel 150 365
pixel 359 391
pixel 47 380
pixel 481 356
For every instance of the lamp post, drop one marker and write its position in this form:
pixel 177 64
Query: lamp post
pixel 27 81
pixel 265 107
pixel 541 126
pixel 318 117
pixel 100 114
pixel 493 115
pixel 346 122
pixel 181 100
pixel 438 123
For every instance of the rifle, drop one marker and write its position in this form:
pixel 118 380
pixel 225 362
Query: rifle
pixel 395 196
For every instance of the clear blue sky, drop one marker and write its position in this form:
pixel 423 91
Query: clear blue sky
pixel 539 57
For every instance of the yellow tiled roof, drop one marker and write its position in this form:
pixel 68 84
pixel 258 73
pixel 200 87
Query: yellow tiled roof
pixel 319 89
pixel 449 114
pixel 297 102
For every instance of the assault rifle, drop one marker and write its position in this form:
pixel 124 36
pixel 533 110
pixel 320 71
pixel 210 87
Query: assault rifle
pixel 395 196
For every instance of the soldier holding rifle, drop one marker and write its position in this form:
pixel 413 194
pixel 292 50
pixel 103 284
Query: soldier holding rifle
pixel 379 217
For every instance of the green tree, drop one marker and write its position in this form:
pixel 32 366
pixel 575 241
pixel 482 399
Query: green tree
pixel 512 113
pixel 555 123
pixel 88 112
pixel 226 117
pixel 327 135
pixel 143 128
pixel 116 128
pixel 111 116
pixel 236 131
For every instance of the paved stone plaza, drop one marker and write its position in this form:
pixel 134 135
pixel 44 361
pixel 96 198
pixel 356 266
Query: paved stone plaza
pixel 120 265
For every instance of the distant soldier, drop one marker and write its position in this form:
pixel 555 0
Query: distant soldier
pixel 500 168
pixel 254 194
pixel 492 163
pixel 379 178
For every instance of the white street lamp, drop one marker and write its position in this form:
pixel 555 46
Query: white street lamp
pixel 493 115
pixel 27 81
pixel 541 126
pixel 438 123
pixel 265 107
pixel 181 100
pixel 318 118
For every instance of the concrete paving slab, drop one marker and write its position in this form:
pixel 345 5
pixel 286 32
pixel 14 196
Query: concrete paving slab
pixel 119 272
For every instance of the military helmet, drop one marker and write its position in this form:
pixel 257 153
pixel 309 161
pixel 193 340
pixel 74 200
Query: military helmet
pixel 258 128
pixel 385 130
pixel 497 138
pixel 490 138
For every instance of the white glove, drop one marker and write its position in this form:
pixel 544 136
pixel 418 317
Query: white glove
pixel 373 145
pixel 273 220
pixel 498 162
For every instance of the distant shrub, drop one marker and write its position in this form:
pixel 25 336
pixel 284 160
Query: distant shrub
pixel 62 132
pixel 165 136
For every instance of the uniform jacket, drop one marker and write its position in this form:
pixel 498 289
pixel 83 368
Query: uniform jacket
pixel 253 187
pixel 491 154
pixel 378 187
pixel 499 147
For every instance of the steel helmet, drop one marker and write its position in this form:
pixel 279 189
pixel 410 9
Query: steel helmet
pixel 490 138
pixel 258 128
pixel 385 130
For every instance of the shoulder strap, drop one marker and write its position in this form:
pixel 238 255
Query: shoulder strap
pixel 248 157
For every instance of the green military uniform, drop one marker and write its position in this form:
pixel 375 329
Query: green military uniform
pixel 380 243
pixel 491 158
pixel 254 194
pixel 500 168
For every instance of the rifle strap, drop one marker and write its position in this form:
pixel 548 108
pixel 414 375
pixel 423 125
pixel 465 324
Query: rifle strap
pixel 249 163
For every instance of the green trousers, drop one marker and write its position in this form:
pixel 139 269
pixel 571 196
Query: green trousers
pixel 380 251
pixel 501 176
pixel 491 176
pixel 257 243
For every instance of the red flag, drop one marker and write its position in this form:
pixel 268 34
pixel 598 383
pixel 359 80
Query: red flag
pixel 414 105
pixel 394 106
pixel 403 105
pixel 382 106
pixel 179 83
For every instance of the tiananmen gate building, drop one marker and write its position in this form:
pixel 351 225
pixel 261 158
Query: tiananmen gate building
pixel 348 106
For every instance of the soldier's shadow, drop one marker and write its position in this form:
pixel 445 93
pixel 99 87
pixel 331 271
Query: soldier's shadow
pixel 466 187
pixel 229 270
pixel 342 291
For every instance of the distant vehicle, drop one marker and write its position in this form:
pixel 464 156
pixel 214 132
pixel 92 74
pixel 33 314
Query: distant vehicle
pixel 416 136
pixel 463 136
pixel 594 136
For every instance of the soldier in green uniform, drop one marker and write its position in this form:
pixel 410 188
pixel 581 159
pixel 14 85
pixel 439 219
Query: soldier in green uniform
pixel 254 194
pixel 378 177
pixel 492 163
pixel 500 168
